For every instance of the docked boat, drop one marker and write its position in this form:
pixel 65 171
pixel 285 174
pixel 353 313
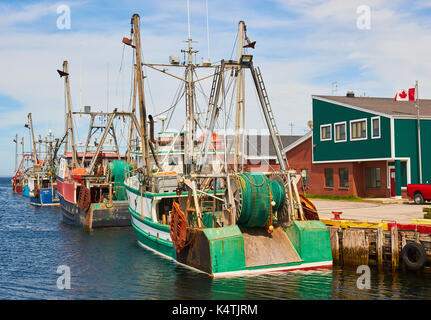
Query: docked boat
pixel 96 200
pixel 198 206
pixel 91 183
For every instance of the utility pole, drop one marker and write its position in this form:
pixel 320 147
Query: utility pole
pixel 291 125
pixel 419 131
pixel 334 88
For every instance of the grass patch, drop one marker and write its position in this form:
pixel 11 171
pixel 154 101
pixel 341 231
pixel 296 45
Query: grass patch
pixel 331 197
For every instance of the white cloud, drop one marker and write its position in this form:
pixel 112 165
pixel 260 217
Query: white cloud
pixel 316 43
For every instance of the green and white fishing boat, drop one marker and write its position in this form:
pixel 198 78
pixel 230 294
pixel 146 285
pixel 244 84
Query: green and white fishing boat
pixel 189 194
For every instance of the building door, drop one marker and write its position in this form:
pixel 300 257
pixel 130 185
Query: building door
pixel 392 177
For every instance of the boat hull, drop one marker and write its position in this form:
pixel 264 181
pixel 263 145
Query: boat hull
pixel 98 216
pixel 233 250
pixel 45 197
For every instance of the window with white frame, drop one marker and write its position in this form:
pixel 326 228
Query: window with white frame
pixel 340 132
pixel 375 127
pixel 358 129
pixel 325 132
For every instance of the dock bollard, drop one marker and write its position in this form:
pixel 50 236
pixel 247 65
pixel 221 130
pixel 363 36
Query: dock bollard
pixel 337 215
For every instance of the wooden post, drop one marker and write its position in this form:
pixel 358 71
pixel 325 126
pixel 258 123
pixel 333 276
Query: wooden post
pixel 379 248
pixel 355 247
pixel 394 248
pixel 110 194
pixel 335 244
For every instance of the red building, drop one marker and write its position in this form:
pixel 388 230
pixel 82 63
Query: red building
pixel 299 155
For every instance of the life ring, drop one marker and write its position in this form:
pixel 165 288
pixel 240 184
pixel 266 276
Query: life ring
pixel 413 255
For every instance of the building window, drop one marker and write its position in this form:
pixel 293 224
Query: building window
pixel 325 132
pixel 329 177
pixel 373 177
pixel 375 128
pixel 343 174
pixel 358 129
pixel 340 132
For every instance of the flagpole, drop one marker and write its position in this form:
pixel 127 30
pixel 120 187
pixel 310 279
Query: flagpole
pixel 419 131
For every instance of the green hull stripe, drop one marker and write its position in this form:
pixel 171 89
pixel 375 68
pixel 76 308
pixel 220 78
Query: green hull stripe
pixel 159 245
pixel 149 222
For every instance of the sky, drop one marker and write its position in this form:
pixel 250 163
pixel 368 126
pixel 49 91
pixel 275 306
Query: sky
pixel 303 48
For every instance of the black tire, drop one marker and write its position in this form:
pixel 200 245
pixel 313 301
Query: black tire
pixel 413 255
pixel 418 198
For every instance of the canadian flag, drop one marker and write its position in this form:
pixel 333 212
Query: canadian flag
pixel 405 95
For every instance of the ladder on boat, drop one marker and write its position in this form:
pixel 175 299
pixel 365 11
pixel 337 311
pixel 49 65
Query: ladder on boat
pixel 212 113
pixel 269 116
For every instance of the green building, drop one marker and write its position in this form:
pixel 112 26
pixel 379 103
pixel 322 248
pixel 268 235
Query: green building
pixel 371 144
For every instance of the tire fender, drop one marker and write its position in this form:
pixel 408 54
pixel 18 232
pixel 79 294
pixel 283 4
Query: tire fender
pixel 413 247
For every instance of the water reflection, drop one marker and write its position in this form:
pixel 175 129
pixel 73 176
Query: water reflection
pixel 108 264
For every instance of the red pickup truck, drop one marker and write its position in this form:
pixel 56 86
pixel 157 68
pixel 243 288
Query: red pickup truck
pixel 419 192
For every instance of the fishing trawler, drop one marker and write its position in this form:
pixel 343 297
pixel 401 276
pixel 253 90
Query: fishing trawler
pixel 33 177
pixel 41 179
pixel 192 200
pixel 91 183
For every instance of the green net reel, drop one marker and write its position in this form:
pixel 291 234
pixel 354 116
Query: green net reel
pixel 255 196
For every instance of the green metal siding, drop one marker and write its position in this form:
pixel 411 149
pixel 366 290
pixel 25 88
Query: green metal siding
pixel 406 146
pixel 329 113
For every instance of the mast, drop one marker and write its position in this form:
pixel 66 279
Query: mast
pixel 16 152
pixel 69 120
pixel 32 138
pixel 22 144
pixel 190 117
pixel 239 95
pixel 140 83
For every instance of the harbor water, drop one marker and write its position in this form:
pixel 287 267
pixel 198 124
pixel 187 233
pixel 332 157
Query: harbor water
pixel 109 264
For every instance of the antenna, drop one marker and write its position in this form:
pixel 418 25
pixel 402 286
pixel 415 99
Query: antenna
pixel 208 32
pixel 188 19
pixel 107 87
